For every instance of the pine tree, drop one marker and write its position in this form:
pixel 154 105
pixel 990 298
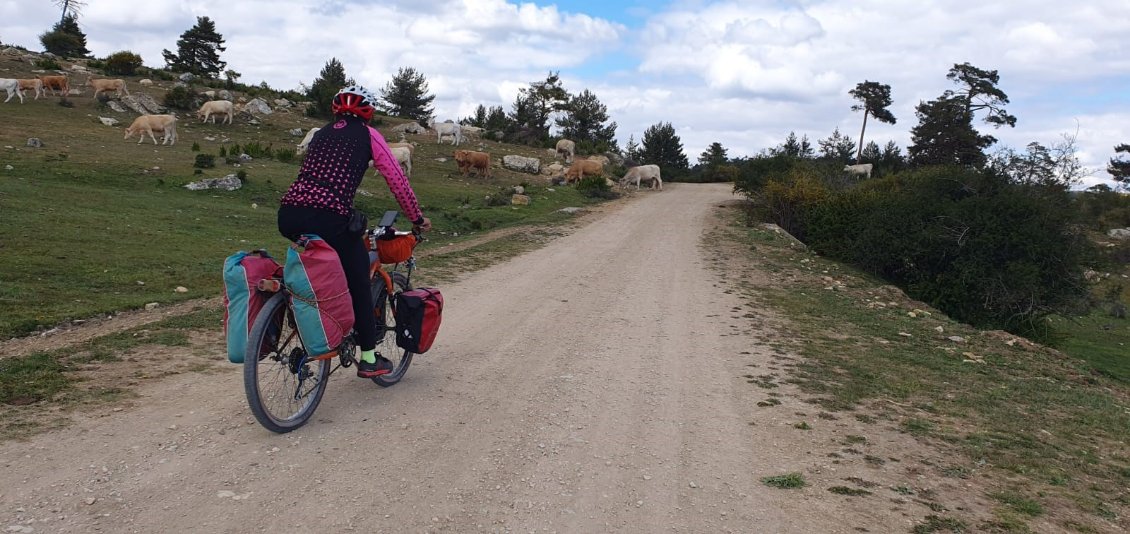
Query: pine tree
pixel 713 156
pixel 65 39
pixel 533 108
pixel 662 147
pixel 837 146
pixel 874 97
pixel 632 151
pixel 198 50
pixel 1119 168
pixel 406 95
pixel 479 119
pixel 945 135
pixel 583 121
pixel 325 86
pixel 981 93
pixel 794 147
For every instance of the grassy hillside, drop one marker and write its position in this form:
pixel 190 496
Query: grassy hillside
pixel 91 223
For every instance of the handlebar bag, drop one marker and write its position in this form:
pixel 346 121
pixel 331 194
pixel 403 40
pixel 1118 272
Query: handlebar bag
pixel 418 314
pixel 323 308
pixel 242 299
pixel 397 249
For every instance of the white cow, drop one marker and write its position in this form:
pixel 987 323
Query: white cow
pixel 566 149
pixel 216 107
pixel 643 173
pixel 12 86
pixel 306 140
pixel 863 168
pixel 148 124
pixel 404 157
pixel 447 128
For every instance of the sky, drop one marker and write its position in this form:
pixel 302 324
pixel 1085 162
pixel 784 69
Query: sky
pixel 741 73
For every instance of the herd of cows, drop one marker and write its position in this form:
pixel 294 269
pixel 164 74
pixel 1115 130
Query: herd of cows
pixel 468 161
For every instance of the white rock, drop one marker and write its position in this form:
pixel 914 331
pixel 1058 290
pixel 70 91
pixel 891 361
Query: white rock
pixel 108 121
pixel 181 289
pixel 151 306
pixel 956 339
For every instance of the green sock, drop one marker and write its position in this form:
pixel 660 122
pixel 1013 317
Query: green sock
pixel 369 356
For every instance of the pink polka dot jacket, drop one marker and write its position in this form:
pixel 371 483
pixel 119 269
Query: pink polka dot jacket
pixel 335 163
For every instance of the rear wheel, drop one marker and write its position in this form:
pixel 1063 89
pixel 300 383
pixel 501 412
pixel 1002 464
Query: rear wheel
pixel 283 387
pixel 386 329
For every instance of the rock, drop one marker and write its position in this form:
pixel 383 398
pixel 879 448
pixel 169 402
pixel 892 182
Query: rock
pixel 108 121
pixel 8 167
pixel 519 190
pixel 553 169
pixel 181 289
pixel 409 127
pixel 142 103
pixel 74 92
pixel 1119 233
pixel 956 339
pixel 441 160
pixel 521 163
pixel 520 200
pixel 186 77
pixel 253 122
pixel 496 135
pixel 114 105
pixel 223 94
pixel 244 158
pixel 297 132
pixel 257 105
pixel 90 500
pixel 227 183
pixel 78 68
pixel 146 82
pixel 151 306
pixel 570 210
pixel 34 142
pixel 282 103
pixel 13 51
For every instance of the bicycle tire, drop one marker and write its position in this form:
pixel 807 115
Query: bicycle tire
pixel 275 371
pixel 386 330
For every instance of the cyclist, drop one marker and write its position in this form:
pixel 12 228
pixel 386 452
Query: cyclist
pixel 320 201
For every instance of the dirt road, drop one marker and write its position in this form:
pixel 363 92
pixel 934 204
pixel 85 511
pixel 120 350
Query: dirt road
pixel 593 385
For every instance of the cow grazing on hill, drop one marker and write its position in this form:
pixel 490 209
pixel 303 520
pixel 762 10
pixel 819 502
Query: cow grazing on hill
pixel 471 160
pixel 12 86
pixel 56 83
pixel 643 173
pixel 863 168
pixel 581 168
pixel 447 128
pixel 166 124
pixel 116 85
pixel 217 107
pixel 33 84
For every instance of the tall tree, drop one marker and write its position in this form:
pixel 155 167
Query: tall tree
pixel 713 156
pixel 632 151
pixel 534 106
pixel 406 95
pixel 1119 168
pixel 73 6
pixel 945 135
pixel 198 50
pixel 662 147
pixel 584 119
pixel 837 147
pixel 794 147
pixel 325 86
pixel 980 92
pixel 65 38
pixel 873 97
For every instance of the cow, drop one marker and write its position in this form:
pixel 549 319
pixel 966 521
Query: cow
pixel 105 84
pixel 12 86
pixel 643 173
pixel 863 168
pixel 470 159
pixel 217 107
pixel 33 84
pixel 447 128
pixel 60 83
pixel 566 149
pixel 306 140
pixel 166 124
pixel 582 167
pixel 404 157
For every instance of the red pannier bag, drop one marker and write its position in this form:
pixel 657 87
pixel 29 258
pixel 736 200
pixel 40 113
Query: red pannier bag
pixel 323 308
pixel 418 314
pixel 242 299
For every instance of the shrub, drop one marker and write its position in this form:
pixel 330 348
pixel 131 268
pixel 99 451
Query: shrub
pixel 123 63
pixel 256 150
pixel 242 175
pixel 786 200
pixel 285 155
pixel 204 161
pixel 181 97
pixel 595 187
pixel 223 152
pixel 195 147
pixel 48 63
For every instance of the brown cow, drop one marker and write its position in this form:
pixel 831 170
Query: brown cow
pixel 106 84
pixel 582 167
pixel 33 84
pixel 60 83
pixel 469 159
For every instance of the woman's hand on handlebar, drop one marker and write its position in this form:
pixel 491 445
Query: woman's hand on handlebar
pixel 424 226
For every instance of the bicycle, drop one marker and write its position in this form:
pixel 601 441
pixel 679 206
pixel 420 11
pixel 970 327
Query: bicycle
pixel 284 384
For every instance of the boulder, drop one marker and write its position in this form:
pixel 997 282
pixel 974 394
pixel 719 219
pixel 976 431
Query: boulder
pixel 34 142
pixel 282 103
pixel 108 121
pixel 228 183
pixel 186 77
pixel 297 132
pixel 257 105
pixel 520 200
pixel 142 103
pixel 244 158
pixel 12 51
pixel 519 190
pixel 553 169
pixel 1119 233
pixel 223 94
pixel 145 83
pixel 409 127
pixel 521 163
pixel 116 106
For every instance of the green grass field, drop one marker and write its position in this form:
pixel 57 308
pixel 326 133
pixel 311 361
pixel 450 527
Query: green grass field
pixel 92 224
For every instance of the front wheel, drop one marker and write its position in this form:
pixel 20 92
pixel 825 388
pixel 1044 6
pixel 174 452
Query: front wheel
pixel 283 386
pixel 386 329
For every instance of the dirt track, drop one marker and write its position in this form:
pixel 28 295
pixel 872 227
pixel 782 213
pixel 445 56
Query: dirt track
pixel 593 385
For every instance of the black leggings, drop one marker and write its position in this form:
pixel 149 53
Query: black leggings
pixel 331 227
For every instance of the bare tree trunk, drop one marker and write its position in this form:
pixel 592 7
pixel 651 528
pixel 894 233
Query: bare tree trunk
pixel 859 151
